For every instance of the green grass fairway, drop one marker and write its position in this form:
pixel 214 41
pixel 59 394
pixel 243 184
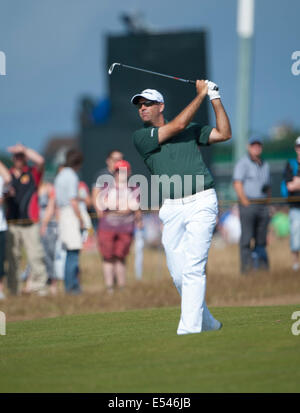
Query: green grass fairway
pixel 139 351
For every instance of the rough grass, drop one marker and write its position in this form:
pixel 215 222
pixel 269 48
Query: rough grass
pixel 225 286
pixel 139 351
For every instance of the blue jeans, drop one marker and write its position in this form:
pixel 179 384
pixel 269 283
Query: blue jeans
pixel 71 272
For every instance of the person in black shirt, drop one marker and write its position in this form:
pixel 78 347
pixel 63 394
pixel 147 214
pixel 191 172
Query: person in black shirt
pixel 22 213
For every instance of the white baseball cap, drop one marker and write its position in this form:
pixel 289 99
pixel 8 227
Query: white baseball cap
pixel 150 94
pixel 297 142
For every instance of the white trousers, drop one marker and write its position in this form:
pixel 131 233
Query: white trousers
pixel 188 229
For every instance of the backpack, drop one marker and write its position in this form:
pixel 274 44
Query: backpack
pixel 283 188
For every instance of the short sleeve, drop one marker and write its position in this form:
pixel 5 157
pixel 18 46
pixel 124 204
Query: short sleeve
pixel 37 174
pixel 288 173
pixel 73 186
pixel 203 133
pixel 239 172
pixel 83 189
pixel 268 175
pixel 146 141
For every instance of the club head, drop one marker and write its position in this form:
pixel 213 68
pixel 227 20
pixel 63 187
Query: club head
pixel 111 69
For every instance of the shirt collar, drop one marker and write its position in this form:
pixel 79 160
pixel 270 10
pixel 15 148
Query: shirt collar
pixel 260 163
pixel 146 125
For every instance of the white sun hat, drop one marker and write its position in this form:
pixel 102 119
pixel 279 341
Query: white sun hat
pixel 150 94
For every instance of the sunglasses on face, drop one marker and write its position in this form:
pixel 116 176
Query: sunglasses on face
pixel 146 103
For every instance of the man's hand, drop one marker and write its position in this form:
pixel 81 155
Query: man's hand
pixel 201 87
pixel 245 202
pixel 294 185
pixel 18 148
pixel 30 154
pixel 239 189
pixel 11 192
pixel 43 228
pixel 213 94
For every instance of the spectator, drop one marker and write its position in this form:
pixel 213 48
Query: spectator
pixel 85 203
pixel 5 179
pixel 48 224
pixel 291 188
pixel 252 182
pixel 230 225
pixel 118 207
pixel 23 216
pixel 70 222
pixel 60 253
pixel 280 225
pixel 113 156
pixel 48 230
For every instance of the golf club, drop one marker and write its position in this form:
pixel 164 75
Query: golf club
pixel 111 69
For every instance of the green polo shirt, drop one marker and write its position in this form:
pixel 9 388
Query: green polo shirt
pixel 179 157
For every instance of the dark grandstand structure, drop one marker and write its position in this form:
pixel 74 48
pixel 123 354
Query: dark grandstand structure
pixel 111 124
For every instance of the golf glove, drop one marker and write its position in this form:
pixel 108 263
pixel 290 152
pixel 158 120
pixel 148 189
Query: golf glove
pixel 213 94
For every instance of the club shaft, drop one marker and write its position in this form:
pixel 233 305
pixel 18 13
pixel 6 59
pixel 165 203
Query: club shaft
pixel 154 73
pixel 158 74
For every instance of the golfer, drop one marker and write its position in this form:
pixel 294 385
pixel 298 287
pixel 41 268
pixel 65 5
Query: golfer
pixel 172 149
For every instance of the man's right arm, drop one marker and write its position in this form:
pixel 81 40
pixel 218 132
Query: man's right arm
pixel 75 205
pixel 31 154
pixel 182 120
pixel 238 178
pixel 239 189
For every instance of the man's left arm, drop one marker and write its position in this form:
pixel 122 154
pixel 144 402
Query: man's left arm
pixel 222 131
pixel 35 157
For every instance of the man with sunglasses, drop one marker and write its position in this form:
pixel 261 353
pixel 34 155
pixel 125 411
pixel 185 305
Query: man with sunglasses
pixel 190 210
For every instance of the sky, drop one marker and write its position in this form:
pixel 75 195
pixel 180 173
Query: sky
pixel 55 53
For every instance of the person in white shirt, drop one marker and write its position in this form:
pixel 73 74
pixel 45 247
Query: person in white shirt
pixel 70 221
pixel 5 179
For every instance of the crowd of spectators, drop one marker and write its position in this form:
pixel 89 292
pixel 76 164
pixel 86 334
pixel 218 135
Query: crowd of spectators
pixel 252 184
pixel 50 221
